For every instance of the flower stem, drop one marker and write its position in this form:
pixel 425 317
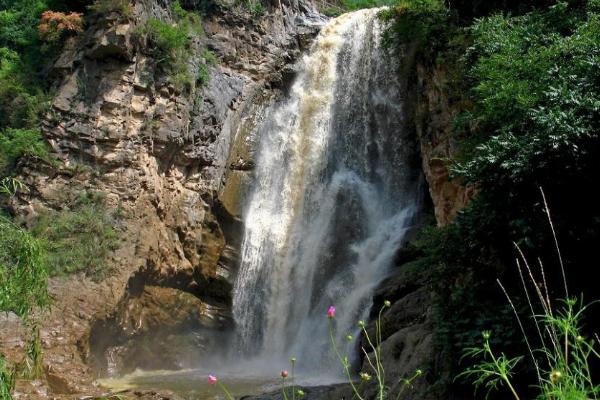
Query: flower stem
pixel 224 389
pixel 342 360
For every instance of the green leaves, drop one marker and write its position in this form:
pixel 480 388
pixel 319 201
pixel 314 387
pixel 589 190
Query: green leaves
pixel 23 270
pixel 79 238
pixel 16 143
pixel 536 94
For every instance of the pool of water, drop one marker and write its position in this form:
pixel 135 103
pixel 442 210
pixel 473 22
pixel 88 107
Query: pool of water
pixel 193 384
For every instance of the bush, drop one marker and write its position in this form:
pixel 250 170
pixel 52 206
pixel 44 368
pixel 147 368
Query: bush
pixel 54 25
pixel 537 97
pixel 424 23
pixel 23 270
pixel 17 143
pixel 21 101
pixel 172 43
pixel 79 238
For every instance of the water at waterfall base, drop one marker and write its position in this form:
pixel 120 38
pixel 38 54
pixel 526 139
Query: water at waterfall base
pixel 193 384
pixel 335 190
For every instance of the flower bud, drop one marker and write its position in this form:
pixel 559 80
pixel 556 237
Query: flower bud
pixel 486 334
pixel 349 338
pixel 212 379
pixel 284 374
pixel 331 312
pixel 300 392
pixel 361 323
pixel 555 376
pixel 387 303
pixel 418 372
pixel 293 360
pixel 364 376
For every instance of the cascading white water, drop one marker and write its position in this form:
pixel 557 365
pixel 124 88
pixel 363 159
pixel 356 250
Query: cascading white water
pixel 335 192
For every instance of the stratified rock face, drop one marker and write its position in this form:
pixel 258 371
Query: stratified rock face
pixel 173 162
pixel 435 113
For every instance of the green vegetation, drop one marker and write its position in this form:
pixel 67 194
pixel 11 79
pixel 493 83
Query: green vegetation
pixel 121 7
pixel 525 77
pixel 23 57
pixel 17 143
pixel 79 238
pixel 7 380
pixel 255 7
pixel 173 45
pixel 563 366
pixel 23 270
pixel 562 363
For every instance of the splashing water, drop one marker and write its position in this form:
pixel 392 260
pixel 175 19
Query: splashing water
pixel 336 188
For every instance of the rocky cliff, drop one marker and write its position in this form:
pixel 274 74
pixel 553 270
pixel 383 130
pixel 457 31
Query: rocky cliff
pixel 172 161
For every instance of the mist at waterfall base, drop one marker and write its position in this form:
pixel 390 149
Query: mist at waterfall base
pixel 336 187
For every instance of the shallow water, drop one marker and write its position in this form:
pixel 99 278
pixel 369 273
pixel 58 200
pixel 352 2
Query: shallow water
pixel 193 384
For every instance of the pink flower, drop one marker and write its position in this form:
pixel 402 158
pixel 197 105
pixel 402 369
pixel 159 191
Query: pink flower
pixel 284 374
pixel 212 379
pixel 331 312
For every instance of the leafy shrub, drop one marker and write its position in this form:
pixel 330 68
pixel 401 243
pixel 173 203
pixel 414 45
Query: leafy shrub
pixel 424 23
pixel 536 89
pixel 169 39
pixel 21 101
pixel 54 24
pixel 79 238
pixel 172 43
pixel 23 270
pixel 16 143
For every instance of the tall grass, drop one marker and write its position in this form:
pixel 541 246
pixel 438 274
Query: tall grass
pixel 563 354
pixel 7 380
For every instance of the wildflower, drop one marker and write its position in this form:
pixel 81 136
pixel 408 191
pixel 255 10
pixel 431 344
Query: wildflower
pixel 387 303
pixel 284 374
pixel 349 338
pixel 361 323
pixel 555 376
pixel 364 376
pixel 300 392
pixel 212 379
pixel 331 312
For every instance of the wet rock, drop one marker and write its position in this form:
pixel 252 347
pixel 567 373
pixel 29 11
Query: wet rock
pixel 325 392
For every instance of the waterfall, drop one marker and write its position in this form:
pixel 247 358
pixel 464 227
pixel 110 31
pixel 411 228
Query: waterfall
pixel 335 191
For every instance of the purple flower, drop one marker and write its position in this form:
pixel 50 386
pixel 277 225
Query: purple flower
pixel 331 312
